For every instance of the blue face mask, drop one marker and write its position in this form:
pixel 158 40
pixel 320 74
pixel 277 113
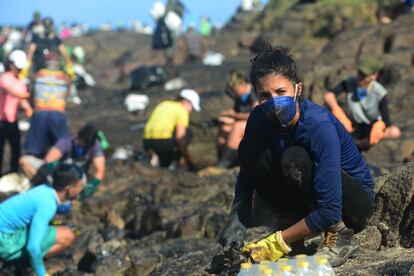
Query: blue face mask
pixel 64 208
pixel 245 97
pixel 280 109
pixel 78 151
pixel 361 93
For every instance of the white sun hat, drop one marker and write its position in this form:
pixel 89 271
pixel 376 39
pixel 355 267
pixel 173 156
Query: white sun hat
pixel 18 58
pixel 193 97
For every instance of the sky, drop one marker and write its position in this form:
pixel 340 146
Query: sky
pixel 97 12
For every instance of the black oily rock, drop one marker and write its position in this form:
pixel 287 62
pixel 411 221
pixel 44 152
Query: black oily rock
pixel 195 261
pixel 183 220
pixel 394 207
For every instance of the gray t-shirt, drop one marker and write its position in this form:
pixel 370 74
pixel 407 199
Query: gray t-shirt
pixel 72 153
pixel 368 109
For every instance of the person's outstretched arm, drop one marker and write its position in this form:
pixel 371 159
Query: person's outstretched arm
pixel 11 90
pixel 54 154
pixel 37 231
pixel 332 103
pixel 99 166
pixel 30 51
pixel 180 135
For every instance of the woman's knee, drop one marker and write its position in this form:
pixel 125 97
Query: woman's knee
pixel 65 236
pixel 295 158
pixel 358 223
pixel 23 161
pixel 239 126
pixel 226 129
pixel 392 132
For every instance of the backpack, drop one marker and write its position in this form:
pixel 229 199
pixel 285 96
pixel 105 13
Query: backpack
pixel 144 77
pixel 161 38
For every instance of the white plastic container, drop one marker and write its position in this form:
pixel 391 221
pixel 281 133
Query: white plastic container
pixel 323 268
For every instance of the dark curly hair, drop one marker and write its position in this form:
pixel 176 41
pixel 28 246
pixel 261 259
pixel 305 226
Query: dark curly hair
pixel 88 134
pixel 65 175
pixel 273 60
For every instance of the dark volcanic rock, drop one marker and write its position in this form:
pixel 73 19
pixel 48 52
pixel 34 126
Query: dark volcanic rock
pixel 369 238
pixel 194 258
pixel 394 207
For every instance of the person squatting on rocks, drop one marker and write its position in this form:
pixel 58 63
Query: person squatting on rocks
pixel 49 122
pixel 25 217
pixel 367 116
pixel 166 134
pixel 13 94
pixel 303 164
pixel 83 150
pixel 233 121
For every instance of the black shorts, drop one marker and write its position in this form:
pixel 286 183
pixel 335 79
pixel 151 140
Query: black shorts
pixel 362 131
pixel 166 149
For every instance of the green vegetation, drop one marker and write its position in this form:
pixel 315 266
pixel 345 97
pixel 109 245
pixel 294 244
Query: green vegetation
pixel 324 17
pixel 274 9
pixel 333 15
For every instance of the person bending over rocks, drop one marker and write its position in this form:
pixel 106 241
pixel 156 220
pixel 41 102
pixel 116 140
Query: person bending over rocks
pixel 83 150
pixel 166 135
pixel 304 166
pixel 25 217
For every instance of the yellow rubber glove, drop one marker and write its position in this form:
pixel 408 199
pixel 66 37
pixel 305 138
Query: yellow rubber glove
pixel 270 248
pixel 377 132
pixel 25 71
pixel 70 71
pixel 339 113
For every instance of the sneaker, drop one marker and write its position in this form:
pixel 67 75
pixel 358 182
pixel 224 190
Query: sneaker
pixel 154 160
pixel 336 244
pixel 174 166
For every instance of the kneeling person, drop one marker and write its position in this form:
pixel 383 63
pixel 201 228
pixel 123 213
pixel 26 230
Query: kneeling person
pixel 166 135
pixel 367 116
pixel 82 150
pixel 304 165
pixel 233 121
pixel 24 219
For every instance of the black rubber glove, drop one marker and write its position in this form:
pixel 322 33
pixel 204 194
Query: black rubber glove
pixel 233 233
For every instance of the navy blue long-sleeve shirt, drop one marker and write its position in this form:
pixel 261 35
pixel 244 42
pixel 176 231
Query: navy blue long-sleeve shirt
pixel 331 149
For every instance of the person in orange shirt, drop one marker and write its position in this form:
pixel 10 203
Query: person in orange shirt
pixel 13 94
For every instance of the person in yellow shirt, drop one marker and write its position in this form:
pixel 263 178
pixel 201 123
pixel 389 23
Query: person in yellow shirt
pixel 166 135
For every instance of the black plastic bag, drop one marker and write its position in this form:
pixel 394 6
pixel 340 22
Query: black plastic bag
pixel 161 39
pixel 144 77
